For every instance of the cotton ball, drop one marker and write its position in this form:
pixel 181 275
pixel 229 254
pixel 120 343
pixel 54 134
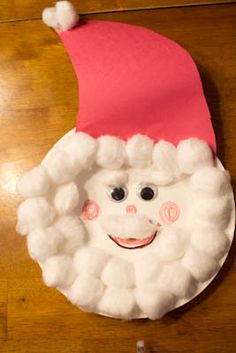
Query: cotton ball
pixel 171 243
pixel 210 182
pixel 34 213
pixel 177 280
pixel 161 178
pixel 58 271
pixel 49 17
pixel 72 230
pixel 214 210
pixel 154 302
pixel 147 269
pixel 90 260
pixel 139 151
pixel 66 198
pixel 86 291
pixel 118 273
pixel 62 168
pixel 164 157
pixel 43 243
pixel 210 240
pixel 200 264
pixel 34 183
pixel 67 16
pixel 117 302
pixel 82 149
pixel 193 154
pixel 111 152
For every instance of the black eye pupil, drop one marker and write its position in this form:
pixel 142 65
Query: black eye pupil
pixel 118 194
pixel 147 193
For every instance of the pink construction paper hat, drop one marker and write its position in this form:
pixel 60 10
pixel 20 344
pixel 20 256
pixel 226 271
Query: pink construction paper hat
pixel 135 81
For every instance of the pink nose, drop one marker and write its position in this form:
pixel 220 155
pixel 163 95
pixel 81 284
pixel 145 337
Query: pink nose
pixel 131 209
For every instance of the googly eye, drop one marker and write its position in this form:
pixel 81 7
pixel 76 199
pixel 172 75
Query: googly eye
pixel 117 193
pixel 147 192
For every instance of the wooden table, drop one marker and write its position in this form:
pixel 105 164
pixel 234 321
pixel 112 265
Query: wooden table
pixel 38 103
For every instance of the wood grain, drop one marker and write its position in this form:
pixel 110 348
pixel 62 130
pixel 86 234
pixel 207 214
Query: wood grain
pixel 26 9
pixel 38 103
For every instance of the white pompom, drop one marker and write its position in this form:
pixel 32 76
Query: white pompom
pixel 43 243
pixel 66 198
pixel 72 230
pixel 58 271
pixel 153 302
pixel 118 273
pixel 177 280
pixel 86 291
pixel 201 265
pixel 210 240
pixel 89 260
pixel 139 151
pixel 194 154
pixel 111 152
pixel 147 269
pixel 164 157
pixel 171 243
pixel 34 183
pixel 117 302
pixel 34 213
pixel 210 182
pixel 63 16
pixel 67 16
pixel 62 168
pixel 49 17
pixel 81 148
pixel 213 210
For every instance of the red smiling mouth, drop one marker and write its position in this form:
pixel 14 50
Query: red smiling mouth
pixel 133 243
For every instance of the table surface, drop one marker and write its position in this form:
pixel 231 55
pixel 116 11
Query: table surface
pixel 36 110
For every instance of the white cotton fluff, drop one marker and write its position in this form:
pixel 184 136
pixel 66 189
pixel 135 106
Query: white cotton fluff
pixel 213 210
pixel 34 213
pixel 193 154
pixel 82 149
pixel 63 16
pixel 211 241
pixel 210 182
pixel 58 271
pixel 164 157
pixel 171 243
pixel 111 152
pixel 177 280
pixel 66 198
pixel 72 230
pixel 89 260
pixel 161 178
pixel 118 273
pixel 66 15
pixel 43 243
pixel 147 269
pixel 86 291
pixel 34 183
pixel 62 168
pixel 136 226
pixel 116 177
pixel 139 151
pixel 154 302
pixel 117 302
pixel 200 264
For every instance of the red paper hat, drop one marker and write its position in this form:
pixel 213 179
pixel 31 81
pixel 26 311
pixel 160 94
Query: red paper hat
pixel 132 80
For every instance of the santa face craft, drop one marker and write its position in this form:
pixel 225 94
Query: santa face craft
pixel 130 215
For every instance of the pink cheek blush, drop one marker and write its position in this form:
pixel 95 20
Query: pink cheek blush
pixel 90 210
pixel 169 212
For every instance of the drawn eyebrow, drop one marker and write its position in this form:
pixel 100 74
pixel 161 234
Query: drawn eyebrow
pixel 114 178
